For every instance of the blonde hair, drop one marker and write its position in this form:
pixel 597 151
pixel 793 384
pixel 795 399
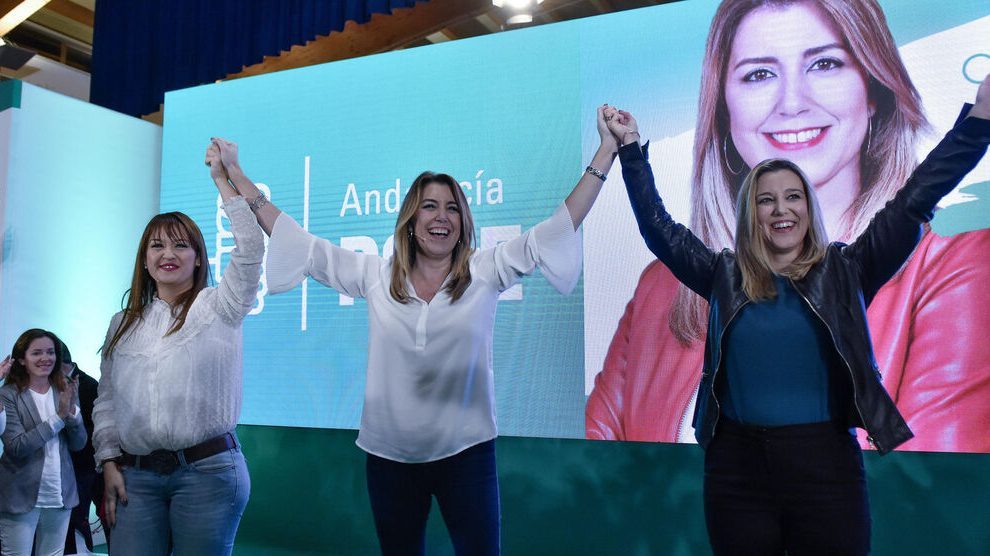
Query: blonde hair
pixel 887 155
pixel 752 249
pixel 405 248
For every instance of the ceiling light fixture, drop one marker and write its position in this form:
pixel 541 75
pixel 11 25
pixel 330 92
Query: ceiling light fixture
pixel 522 10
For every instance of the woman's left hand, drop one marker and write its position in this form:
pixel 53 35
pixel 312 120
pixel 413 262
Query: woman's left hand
pixel 217 171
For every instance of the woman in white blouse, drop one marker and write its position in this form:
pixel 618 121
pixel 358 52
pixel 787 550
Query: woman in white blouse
pixel 37 481
pixel 428 423
pixel 170 391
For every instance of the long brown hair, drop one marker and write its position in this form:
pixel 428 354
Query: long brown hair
pixel 19 376
pixel 143 290
pixel 887 155
pixel 405 248
pixel 752 250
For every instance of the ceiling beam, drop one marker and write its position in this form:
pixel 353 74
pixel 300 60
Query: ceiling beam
pixel 72 11
pixel 14 12
pixel 381 34
pixel 603 6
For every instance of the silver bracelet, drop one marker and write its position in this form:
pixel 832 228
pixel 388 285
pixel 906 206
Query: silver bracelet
pixel 596 172
pixel 258 202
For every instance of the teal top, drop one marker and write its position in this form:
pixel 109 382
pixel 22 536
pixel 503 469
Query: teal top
pixel 777 359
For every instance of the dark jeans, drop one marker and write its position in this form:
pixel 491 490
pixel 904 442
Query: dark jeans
pixel 466 488
pixel 799 489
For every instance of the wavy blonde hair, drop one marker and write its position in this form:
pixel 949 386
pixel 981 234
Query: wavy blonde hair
pixel 752 248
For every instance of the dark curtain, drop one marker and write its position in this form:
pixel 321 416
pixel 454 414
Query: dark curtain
pixel 146 47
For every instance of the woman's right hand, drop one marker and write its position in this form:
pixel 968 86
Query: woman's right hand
pixel 5 367
pixel 228 152
pixel 113 491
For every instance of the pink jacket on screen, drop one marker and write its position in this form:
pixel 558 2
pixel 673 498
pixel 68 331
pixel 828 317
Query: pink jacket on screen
pixel 930 327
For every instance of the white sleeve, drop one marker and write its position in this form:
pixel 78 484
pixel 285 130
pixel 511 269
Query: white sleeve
pixel 294 254
pixel 3 420
pixel 106 439
pixel 239 286
pixel 552 245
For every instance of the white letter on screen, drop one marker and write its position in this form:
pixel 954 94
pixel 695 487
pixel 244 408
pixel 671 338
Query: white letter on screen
pixel 358 244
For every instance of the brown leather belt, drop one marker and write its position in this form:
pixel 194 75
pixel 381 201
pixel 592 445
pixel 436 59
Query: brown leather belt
pixel 165 462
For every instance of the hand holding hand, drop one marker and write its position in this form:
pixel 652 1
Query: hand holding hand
pixel 608 140
pixel 981 108
pixel 228 152
pixel 217 170
pixel 624 127
pixel 67 399
pixel 5 367
pixel 113 491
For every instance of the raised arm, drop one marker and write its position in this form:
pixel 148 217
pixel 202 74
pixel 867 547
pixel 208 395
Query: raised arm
pixel 239 286
pixel 584 194
pixel 554 245
pixel 895 230
pixel 265 211
pixel 691 261
pixel 293 252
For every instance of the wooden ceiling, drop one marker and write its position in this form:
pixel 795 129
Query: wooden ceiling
pixel 63 29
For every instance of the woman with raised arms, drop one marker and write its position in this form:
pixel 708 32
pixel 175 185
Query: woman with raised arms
pixel 820 83
pixel 428 423
pixel 170 391
pixel 789 369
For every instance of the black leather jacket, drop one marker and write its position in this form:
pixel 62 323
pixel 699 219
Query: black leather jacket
pixel 838 289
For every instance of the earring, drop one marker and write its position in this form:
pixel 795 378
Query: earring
pixel 725 156
pixel 869 134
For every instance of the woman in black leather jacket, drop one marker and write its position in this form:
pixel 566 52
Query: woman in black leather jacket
pixel 789 367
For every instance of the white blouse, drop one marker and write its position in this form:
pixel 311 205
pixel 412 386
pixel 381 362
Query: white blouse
pixel 430 390
pixel 173 392
pixel 50 490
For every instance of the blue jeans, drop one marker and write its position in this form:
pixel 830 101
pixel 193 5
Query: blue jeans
pixel 43 527
pixel 466 488
pixel 797 488
pixel 198 507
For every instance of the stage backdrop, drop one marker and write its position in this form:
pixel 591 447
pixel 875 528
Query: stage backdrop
pixel 77 185
pixel 511 116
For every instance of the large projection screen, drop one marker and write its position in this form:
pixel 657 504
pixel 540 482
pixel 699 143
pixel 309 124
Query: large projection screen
pixel 511 116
